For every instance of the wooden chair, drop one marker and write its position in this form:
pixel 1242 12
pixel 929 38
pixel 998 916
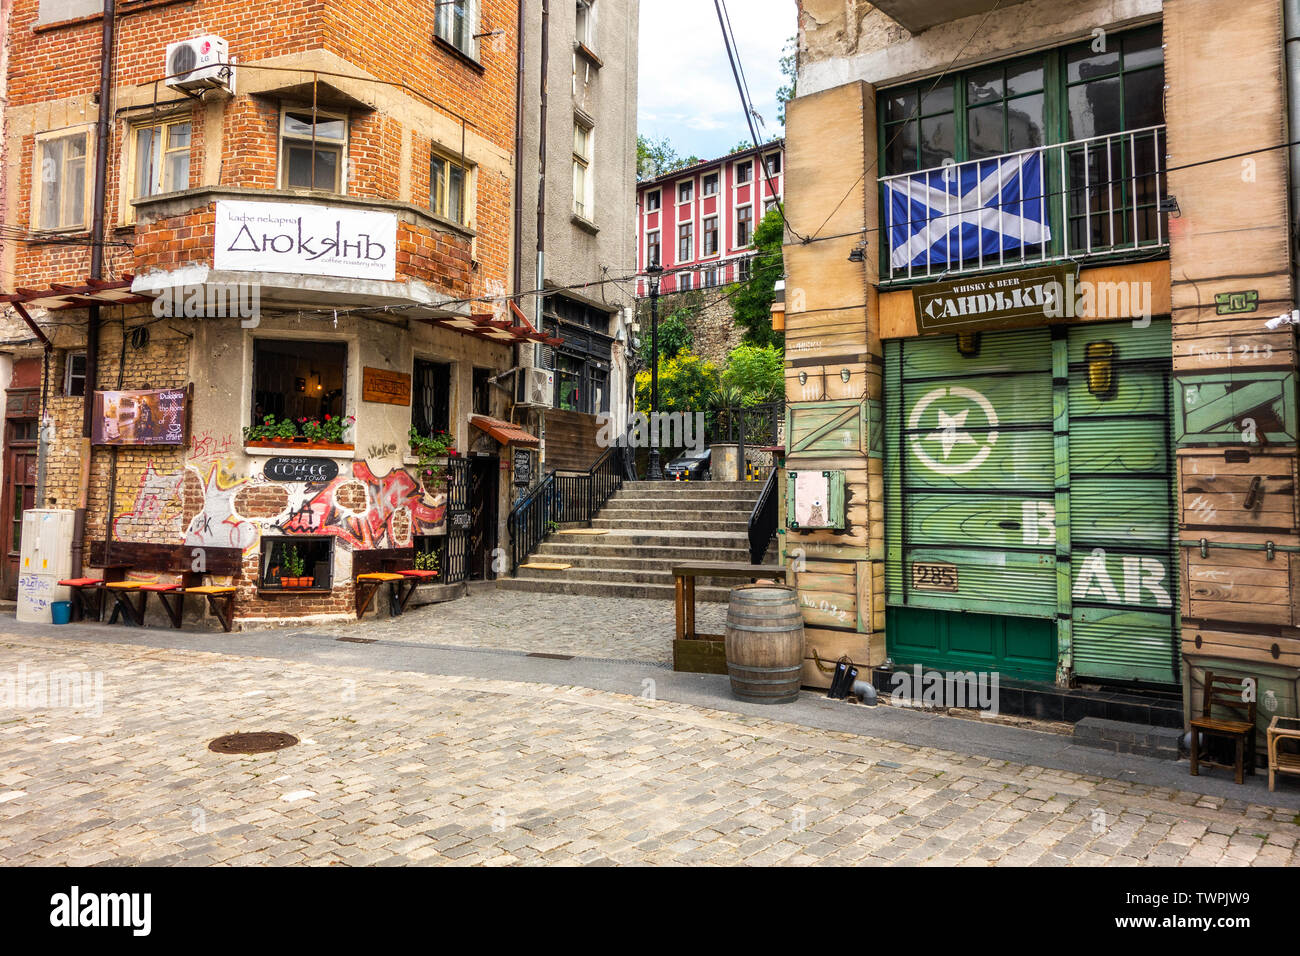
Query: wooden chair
pixel 1228 693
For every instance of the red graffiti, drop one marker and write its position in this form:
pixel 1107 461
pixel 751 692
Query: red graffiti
pixel 373 528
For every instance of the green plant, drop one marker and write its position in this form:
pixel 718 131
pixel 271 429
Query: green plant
pixel 552 527
pixel 752 301
pixel 292 562
pixel 756 372
pixel 430 450
pixel 332 429
pixel 426 560
pixel 270 430
pixel 686 384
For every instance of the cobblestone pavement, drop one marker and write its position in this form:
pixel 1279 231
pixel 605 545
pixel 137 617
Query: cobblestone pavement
pixel 606 628
pixel 397 767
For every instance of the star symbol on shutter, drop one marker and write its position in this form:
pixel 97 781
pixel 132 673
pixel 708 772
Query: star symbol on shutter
pixel 950 433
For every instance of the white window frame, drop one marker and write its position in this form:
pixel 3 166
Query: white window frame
pixel 704 184
pixel 689 238
pixel 717 236
pixel 582 166
pixel 584 31
pixel 747 164
pixel 750 240
pixel 444 21
pixel 768 160
pixel 658 198
pixel 657 235
pixel 689 185
pixel 321 115
pixel 438 204
pixel 39 184
pixel 131 153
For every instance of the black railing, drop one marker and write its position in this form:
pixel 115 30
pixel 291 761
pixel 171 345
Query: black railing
pixel 752 426
pixel 563 498
pixel 763 520
pixel 453 550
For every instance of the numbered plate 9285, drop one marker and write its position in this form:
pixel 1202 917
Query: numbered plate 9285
pixel 934 576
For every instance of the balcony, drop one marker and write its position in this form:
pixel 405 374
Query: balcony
pixel 1091 199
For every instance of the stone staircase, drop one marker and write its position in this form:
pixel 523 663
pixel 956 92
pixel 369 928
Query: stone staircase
pixel 652 525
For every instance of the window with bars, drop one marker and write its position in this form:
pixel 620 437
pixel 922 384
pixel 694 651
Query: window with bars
pixel 431 397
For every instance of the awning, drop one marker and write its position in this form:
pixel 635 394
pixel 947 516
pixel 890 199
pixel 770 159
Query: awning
pixel 498 330
pixel 504 432
pixel 61 295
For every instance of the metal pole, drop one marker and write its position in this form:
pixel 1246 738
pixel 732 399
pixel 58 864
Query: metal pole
pixel 654 471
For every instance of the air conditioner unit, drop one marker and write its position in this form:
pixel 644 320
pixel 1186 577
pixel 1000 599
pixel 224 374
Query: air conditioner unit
pixel 202 63
pixel 535 387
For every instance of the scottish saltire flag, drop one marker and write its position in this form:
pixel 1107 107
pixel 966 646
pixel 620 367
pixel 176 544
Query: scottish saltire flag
pixel 947 216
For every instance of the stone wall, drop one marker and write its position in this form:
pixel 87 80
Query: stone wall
pixel 707 314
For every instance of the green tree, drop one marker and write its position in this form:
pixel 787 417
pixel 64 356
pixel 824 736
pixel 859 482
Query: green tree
pixel 790 69
pixel 756 373
pixel 675 336
pixel 752 301
pixel 687 383
pixel 655 157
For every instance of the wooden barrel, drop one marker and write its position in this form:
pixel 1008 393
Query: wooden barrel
pixel 764 643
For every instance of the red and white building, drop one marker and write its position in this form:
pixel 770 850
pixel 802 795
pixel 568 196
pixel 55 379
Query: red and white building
pixel 698 222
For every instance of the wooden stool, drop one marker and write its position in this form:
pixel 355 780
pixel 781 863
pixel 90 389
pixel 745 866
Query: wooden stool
pixel 368 584
pixel 174 611
pixel 1229 694
pixel 222 601
pixel 413 580
pixel 1279 729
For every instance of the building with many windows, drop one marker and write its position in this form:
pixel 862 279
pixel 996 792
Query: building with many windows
pixel 1029 294
pixel 698 223
pixel 310 240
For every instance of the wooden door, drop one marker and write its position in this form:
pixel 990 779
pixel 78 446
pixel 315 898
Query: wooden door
pixel 19 493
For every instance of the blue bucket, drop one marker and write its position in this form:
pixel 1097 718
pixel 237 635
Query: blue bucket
pixel 61 611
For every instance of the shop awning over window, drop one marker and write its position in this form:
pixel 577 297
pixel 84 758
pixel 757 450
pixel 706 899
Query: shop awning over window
pixel 61 295
pixel 517 329
pixel 504 432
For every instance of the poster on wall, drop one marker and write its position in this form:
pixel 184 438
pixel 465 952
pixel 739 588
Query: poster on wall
pixel 304 239
pixel 140 417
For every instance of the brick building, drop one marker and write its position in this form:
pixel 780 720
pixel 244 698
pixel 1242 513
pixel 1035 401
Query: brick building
pixel 319 226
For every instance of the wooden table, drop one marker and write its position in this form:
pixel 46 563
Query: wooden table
pixel 1279 729
pixel 706 653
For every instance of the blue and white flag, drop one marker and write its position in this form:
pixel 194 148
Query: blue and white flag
pixel 946 217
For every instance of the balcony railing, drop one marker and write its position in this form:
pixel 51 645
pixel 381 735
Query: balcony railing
pixel 1091 198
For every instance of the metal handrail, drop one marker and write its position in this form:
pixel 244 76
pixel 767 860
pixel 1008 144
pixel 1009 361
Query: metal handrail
pixel 563 497
pixel 763 520
pixel 528 521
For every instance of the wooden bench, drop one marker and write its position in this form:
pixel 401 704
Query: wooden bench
pixel 132 597
pixel 375 568
pixel 706 653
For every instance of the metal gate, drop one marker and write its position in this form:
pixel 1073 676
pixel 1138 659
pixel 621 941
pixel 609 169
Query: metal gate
pixel 1029 510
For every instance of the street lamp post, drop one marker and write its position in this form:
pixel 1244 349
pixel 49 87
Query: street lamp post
pixel 654 471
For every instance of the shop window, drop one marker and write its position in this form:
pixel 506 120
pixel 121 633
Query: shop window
pixel 431 398
pixel 296 379
pixel 74 375
pixel 312 150
pixel 568 383
pixel 311 557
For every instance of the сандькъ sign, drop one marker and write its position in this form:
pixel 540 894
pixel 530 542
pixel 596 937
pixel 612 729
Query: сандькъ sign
pixel 301 238
pixel 1007 300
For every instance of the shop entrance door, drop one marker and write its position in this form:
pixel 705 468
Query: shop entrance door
pixel 1029 509
pixel 484 478
pixel 19 493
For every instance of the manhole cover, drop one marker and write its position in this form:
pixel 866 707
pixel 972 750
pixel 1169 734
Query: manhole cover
pixel 258 743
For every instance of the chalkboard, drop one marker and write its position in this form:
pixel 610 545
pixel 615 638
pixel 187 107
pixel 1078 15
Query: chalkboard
pixel 301 469
pixel 523 467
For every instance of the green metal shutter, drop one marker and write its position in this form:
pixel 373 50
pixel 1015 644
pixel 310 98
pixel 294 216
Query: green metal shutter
pixel 1123 534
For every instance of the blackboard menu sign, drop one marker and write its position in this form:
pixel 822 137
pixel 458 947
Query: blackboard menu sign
pixel 313 470
pixel 523 466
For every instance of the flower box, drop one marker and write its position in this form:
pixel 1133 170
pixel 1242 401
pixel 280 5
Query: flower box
pixel 297 583
pixel 296 444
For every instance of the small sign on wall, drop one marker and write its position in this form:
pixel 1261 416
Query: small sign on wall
pixel 140 417
pixel 934 576
pixel 385 387
pixel 815 501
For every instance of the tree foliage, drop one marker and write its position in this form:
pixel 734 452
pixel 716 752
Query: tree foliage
pixel 675 336
pixel 752 302
pixel 655 157
pixel 790 69
pixel 756 373
pixel 686 384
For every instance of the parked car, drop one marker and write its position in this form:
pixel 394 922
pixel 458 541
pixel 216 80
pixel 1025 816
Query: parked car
pixel 689 466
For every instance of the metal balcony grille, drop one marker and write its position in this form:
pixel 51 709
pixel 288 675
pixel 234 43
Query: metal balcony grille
pixel 1091 198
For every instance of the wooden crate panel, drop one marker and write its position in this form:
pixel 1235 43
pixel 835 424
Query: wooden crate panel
pixel 1259 492
pixel 1232 408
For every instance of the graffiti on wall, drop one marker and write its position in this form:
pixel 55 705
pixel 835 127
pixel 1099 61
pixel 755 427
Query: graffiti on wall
pixel 217 525
pixel 395 510
pixel 157 501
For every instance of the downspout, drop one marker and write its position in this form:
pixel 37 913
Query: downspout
pixel 102 129
pixel 540 300
pixel 519 154
pixel 1291 26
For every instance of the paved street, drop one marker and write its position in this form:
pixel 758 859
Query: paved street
pixel 398 767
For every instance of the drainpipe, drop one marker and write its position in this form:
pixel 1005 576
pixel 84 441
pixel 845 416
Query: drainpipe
pixel 519 152
pixel 102 129
pixel 1291 15
pixel 539 299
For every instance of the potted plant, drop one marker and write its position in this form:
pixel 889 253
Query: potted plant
pixel 293 567
pixel 426 561
pixel 432 452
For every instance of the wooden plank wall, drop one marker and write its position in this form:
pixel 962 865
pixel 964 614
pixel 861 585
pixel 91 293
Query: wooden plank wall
pixel 1235 380
pixel 834 371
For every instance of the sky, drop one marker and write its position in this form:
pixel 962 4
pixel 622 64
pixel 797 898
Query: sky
pixel 686 89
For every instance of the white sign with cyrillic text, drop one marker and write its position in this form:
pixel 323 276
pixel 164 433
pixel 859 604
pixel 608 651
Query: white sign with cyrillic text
pixel 313 240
